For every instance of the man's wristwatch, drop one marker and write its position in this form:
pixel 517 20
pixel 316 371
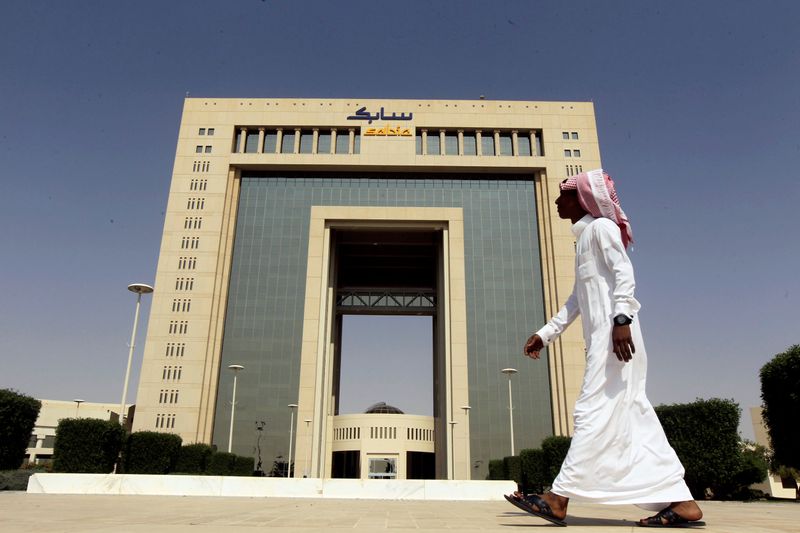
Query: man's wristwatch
pixel 622 320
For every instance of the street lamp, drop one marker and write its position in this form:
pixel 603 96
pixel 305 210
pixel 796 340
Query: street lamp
pixel 235 369
pixel 510 372
pixel 466 409
pixel 78 407
pixel 308 460
pixel 452 448
pixel 139 289
pixel 292 407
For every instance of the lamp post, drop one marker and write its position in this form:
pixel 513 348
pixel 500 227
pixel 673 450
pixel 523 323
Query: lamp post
pixel 235 369
pixel 292 407
pixel 139 289
pixel 452 448
pixel 308 460
pixel 510 372
pixel 466 409
pixel 78 406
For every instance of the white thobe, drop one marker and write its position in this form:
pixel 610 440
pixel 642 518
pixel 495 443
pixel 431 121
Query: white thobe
pixel 619 453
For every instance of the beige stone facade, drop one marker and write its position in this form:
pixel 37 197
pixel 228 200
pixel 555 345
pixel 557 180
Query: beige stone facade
pixel 221 138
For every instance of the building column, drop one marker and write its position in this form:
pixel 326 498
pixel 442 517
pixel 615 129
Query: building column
pixel 424 141
pixel 351 145
pixel 333 140
pixel 460 142
pixel 514 143
pixel 442 149
pixel 279 141
pixel 534 151
pixel 478 143
pixel 260 149
pixel 296 149
pixel 314 140
pixel 242 139
pixel 496 142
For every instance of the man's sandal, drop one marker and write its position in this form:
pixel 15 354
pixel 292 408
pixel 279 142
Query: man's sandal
pixel 669 518
pixel 542 509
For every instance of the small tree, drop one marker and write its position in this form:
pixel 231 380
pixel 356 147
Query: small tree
pixel 18 414
pixel 555 450
pixel 780 392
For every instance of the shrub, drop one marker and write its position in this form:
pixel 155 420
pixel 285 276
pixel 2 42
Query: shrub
pixel 220 464
pixel 15 479
pixel 150 452
pixel 193 459
pixel 555 451
pixel 242 466
pixel 512 468
pixel 18 414
pixel 780 383
pixel 87 445
pixel 496 470
pixel 705 436
pixel 535 474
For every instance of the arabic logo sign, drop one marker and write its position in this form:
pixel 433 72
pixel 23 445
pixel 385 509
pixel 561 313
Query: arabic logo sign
pixel 363 114
pixel 388 131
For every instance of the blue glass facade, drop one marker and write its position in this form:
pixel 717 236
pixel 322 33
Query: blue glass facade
pixel 264 320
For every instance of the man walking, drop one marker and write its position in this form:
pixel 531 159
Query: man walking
pixel 619 453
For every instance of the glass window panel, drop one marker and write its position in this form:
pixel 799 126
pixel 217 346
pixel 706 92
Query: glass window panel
pixel 567 153
pixel 287 143
pixel 202 131
pixel 251 144
pixel 574 135
pixel 419 143
pixel 505 144
pixel 434 145
pixel 470 145
pixel 357 144
pixel 451 143
pixel 487 144
pixel 211 131
pixel 524 144
pixel 576 153
pixel 270 141
pixel 324 143
pixel 565 135
pixel 306 141
pixel 342 142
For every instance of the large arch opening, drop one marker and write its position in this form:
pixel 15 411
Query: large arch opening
pixel 385 351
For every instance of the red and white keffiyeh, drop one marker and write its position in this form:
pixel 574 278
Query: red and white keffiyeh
pixel 598 197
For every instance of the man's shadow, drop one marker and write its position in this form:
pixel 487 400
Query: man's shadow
pixel 572 520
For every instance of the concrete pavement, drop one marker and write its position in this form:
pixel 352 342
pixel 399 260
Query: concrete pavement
pixel 23 512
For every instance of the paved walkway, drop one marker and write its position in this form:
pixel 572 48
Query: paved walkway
pixel 20 511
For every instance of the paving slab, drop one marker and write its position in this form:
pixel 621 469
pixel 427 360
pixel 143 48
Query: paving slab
pixel 34 513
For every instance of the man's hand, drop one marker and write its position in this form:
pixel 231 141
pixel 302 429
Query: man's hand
pixel 622 343
pixel 533 347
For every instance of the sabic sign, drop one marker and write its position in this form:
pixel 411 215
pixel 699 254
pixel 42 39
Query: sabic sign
pixel 388 131
pixel 363 114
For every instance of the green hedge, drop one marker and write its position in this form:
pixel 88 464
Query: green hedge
pixel 496 470
pixel 555 451
pixel 705 436
pixel 242 466
pixel 18 414
pixel 193 459
pixel 87 445
pixel 150 452
pixel 535 472
pixel 512 468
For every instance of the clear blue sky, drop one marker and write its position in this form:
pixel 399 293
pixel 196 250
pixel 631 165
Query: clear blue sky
pixel 697 110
